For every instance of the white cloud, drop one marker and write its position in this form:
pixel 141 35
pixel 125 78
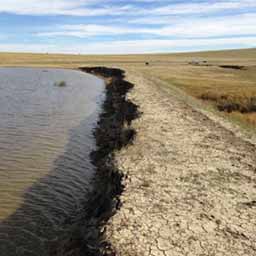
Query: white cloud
pixel 83 30
pixel 134 46
pixel 202 7
pixel 87 7
pixel 58 7
pixel 237 25
pixel 202 20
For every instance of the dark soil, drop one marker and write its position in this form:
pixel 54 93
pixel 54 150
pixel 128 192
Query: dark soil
pixel 233 67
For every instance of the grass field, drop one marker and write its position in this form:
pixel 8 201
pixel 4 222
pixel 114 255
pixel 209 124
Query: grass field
pixel 229 89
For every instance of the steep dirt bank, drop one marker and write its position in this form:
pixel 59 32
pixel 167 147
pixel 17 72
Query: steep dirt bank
pixel 112 133
pixel 191 186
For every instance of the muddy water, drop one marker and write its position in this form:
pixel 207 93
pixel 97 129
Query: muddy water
pixel 45 141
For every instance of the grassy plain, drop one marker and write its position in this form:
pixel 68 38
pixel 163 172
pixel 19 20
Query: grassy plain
pixel 199 74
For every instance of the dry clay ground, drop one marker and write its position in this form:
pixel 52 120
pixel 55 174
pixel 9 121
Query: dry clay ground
pixel 191 186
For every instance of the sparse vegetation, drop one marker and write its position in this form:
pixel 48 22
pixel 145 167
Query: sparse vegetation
pixel 61 84
pixel 230 103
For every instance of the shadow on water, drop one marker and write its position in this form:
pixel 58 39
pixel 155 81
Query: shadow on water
pixel 51 203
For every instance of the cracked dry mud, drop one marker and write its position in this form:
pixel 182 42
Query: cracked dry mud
pixel 191 186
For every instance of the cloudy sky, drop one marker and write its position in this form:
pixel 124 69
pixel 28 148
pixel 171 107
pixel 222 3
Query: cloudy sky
pixel 121 26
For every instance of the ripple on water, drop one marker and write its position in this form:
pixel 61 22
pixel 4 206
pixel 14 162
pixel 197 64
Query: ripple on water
pixel 45 141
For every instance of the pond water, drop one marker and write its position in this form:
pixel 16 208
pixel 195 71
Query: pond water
pixel 45 142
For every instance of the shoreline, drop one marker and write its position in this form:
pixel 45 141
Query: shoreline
pixel 183 186
pixel 112 133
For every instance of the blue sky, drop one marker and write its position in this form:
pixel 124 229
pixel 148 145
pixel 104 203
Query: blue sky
pixel 118 26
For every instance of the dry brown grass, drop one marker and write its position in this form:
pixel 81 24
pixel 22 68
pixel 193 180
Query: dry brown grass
pixel 227 89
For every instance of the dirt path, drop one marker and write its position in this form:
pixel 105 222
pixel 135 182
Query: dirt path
pixel 191 187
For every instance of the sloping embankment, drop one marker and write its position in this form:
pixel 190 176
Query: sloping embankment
pixel 191 186
pixel 112 133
